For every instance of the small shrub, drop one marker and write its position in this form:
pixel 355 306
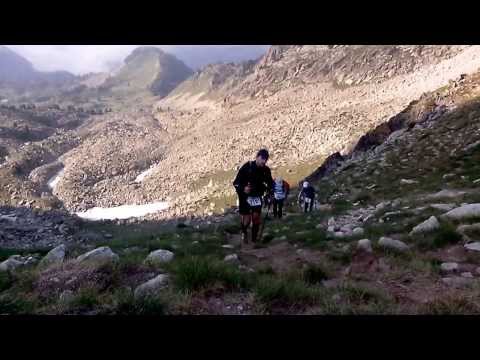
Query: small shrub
pixel 362 294
pixel 232 228
pixel 5 281
pixel 128 305
pixel 86 299
pixel 266 270
pixel 315 274
pixel 343 257
pixel 15 305
pixel 194 273
pixel 444 236
pixel 362 196
pixel 280 291
pixel 452 305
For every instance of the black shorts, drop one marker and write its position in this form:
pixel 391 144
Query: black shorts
pixel 245 209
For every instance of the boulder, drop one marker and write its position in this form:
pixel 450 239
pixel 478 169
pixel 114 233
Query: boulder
pixel 449 267
pixel 429 225
pixel 159 257
pixel 54 256
pixel 467 275
pixel 358 231
pixel 151 287
pixel 468 211
pixel 443 207
pixel 475 246
pixel 408 182
pixel 11 264
pixel 381 206
pixel 99 256
pixel 392 244
pixel 443 194
pixel 232 259
pixel 364 245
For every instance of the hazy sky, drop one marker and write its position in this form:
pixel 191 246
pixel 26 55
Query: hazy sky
pixel 80 59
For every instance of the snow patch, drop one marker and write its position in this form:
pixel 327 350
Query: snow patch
pixel 123 211
pixel 144 174
pixel 52 183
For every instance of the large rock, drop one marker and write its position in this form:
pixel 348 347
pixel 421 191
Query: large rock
pixel 358 231
pixel 446 194
pixel 468 211
pixel 392 244
pixel 427 226
pixel 11 264
pixel 364 245
pixel 443 207
pixel 159 257
pixel 232 259
pixel 464 229
pixel 152 287
pixel 449 267
pixel 54 256
pixel 475 246
pixel 100 256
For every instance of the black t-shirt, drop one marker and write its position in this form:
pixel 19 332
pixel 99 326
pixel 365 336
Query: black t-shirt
pixel 260 179
pixel 309 192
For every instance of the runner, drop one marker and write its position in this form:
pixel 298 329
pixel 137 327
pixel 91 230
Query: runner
pixel 253 180
pixel 280 192
pixel 307 195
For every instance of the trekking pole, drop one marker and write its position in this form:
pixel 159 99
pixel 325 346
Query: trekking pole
pixel 263 223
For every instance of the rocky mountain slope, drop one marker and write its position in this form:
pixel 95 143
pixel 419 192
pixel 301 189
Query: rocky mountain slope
pixel 189 156
pixel 288 66
pixel 395 230
pixel 148 68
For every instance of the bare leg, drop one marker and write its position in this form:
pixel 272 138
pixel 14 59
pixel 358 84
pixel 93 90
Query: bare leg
pixel 256 220
pixel 245 223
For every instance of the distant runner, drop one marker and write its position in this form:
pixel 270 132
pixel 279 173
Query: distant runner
pixel 253 180
pixel 307 195
pixel 280 192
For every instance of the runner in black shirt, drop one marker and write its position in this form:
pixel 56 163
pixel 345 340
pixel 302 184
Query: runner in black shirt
pixel 252 181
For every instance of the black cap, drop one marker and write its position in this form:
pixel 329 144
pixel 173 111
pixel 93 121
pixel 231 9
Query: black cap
pixel 263 153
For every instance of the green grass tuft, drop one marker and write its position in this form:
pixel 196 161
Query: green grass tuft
pixel 193 273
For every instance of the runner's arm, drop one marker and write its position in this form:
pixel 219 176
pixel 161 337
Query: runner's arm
pixel 240 181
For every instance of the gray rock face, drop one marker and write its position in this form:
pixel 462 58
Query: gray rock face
pixel 392 244
pixel 10 265
pixel 463 212
pixel 445 194
pixel 364 245
pixel 152 287
pixel 475 246
pixel 408 182
pixel 54 256
pixel 443 207
pixel 100 256
pixel 358 231
pixel 449 267
pixel 427 226
pixel 232 259
pixel 159 257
